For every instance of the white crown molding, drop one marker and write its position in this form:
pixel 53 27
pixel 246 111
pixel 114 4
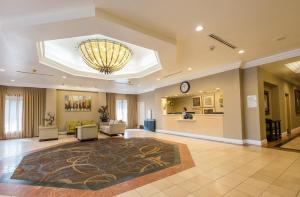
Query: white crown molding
pixel 272 58
pixel 193 75
pixel 66 87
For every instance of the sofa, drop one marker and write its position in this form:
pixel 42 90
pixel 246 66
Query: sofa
pixel 72 124
pixel 114 127
pixel 87 132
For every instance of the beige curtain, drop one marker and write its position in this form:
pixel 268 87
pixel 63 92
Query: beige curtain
pixel 34 107
pixel 111 105
pixel 132 110
pixel 3 90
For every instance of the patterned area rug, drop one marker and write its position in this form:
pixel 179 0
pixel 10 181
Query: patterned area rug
pixel 96 164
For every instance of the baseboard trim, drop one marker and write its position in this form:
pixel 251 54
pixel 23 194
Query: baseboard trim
pixel 213 138
pixel 255 142
pixel 199 136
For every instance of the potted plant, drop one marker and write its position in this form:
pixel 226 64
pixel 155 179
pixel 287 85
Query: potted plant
pixel 103 111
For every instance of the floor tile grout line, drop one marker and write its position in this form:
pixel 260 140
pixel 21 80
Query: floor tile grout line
pixel 242 181
pixel 281 175
pixel 222 177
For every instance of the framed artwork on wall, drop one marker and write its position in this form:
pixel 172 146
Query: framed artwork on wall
pixel 208 101
pixel 197 101
pixel 297 101
pixel 221 101
pixel 208 110
pixel 267 102
pixel 78 103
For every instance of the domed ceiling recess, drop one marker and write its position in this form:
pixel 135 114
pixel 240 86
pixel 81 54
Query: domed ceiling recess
pixel 86 56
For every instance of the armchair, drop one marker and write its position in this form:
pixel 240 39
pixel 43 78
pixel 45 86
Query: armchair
pixel 114 128
pixel 87 132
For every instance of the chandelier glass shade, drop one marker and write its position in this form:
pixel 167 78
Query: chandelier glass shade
pixel 104 55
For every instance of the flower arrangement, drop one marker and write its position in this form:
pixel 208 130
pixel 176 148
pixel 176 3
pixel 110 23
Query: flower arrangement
pixel 50 119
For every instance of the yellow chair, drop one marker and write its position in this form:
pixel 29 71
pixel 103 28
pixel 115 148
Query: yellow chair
pixel 71 126
pixel 87 122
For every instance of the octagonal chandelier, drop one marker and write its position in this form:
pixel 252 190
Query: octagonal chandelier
pixel 104 55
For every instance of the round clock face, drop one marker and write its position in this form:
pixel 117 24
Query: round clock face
pixel 184 87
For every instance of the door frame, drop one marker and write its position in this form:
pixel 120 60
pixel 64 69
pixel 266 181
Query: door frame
pixel 287 106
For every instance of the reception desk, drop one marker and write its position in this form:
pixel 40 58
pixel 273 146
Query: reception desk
pixel 203 124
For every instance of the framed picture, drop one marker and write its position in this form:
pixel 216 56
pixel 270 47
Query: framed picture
pixel 221 101
pixel 297 101
pixel 78 103
pixel 208 101
pixel 208 110
pixel 267 102
pixel 197 101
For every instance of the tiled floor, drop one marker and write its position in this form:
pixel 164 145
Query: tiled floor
pixel 292 144
pixel 221 169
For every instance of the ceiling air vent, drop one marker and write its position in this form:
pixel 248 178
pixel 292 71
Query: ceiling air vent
pixel 217 38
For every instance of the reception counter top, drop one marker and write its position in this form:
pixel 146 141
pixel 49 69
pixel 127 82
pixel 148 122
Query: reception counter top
pixel 204 124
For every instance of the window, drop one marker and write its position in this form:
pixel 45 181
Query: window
pixel 13 115
pixel 121 108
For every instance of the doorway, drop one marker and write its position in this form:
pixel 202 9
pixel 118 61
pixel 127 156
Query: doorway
pixel 287 107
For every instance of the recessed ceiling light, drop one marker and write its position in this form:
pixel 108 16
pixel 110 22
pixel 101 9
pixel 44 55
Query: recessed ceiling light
pixel 241 51
pixel 189 68
pixel 2 70
pixel 294 66
pixel 64 77
pixel 158 79
pixel 12 80
pixel 199 28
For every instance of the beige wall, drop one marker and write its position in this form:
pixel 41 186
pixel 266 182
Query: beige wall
pixel 51 102
pixel 228 82
pixel 55 100
pixel 149 100
pixel 251 115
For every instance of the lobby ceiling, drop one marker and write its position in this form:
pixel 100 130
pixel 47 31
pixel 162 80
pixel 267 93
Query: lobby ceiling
pixel 261 28
pixel 280 69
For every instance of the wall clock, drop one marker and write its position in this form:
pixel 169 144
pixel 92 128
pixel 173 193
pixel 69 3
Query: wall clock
pixel 184 87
